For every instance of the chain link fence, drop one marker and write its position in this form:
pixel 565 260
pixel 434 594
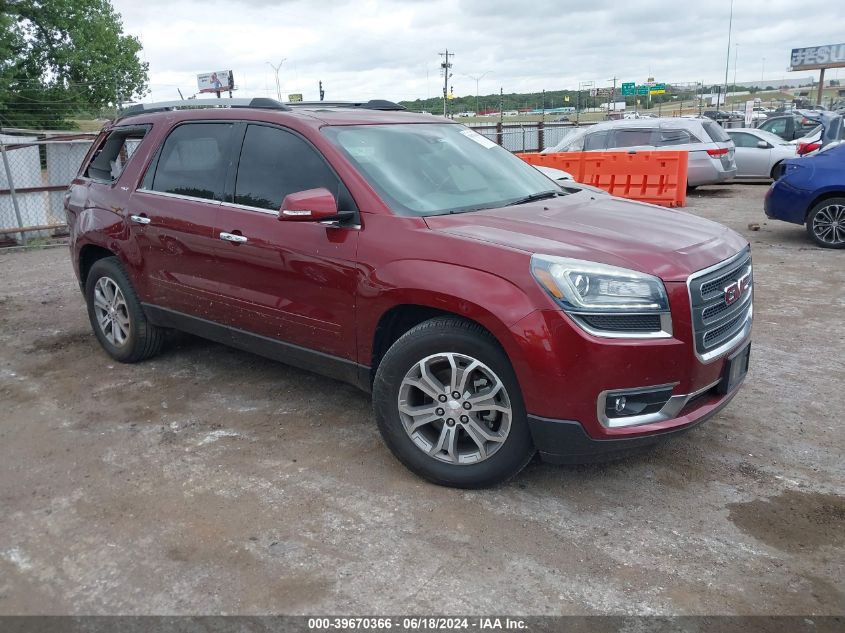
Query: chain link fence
pixel 35 172
pixel 525 137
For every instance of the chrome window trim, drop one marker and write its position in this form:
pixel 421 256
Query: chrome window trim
pixel 743 333
pixel 664 332
pixel 246 207
pixel 179 196
pixel 671 409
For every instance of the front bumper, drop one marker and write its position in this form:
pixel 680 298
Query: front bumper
pixel 567 376
pixel 566 442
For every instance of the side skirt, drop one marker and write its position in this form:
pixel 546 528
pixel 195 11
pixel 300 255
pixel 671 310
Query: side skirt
pixel 302 357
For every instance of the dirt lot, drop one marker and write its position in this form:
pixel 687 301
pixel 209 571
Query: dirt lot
pixel 213 481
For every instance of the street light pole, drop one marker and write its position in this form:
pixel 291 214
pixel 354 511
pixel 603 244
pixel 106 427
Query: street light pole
pixel 477 79
pixel 277 69
pixel 728 58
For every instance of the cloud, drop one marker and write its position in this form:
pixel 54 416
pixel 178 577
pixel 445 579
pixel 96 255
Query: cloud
pixel 374 48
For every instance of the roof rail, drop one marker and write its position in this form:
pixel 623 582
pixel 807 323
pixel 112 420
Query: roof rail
pixel 197 104
pixel 372 104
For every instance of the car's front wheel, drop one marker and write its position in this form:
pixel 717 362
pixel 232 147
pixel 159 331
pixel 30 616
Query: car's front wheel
pixel 826 223
pixel 448 405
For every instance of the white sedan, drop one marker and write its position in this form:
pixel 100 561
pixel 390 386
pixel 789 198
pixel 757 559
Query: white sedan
pixel 759 153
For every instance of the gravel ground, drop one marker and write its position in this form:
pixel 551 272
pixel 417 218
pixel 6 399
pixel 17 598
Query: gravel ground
pixel 212 481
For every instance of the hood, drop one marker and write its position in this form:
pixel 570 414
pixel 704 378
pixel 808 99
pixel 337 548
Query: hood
pixel 663 242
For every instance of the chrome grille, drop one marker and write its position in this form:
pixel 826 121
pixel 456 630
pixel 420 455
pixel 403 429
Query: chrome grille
pixel 718 324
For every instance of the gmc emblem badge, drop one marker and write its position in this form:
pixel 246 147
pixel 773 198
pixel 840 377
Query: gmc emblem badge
pixel 734 291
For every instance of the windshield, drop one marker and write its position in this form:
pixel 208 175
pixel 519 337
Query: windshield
pixel 433 169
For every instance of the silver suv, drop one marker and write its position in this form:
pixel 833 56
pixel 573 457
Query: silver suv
pixel 711 150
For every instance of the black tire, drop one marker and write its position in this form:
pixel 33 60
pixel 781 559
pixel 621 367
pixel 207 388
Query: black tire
pixel 144 340
pixel 455 335
pixel 775 173
pixel 692 187
pixel 825 206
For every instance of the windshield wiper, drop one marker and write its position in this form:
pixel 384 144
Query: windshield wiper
pixel 540 195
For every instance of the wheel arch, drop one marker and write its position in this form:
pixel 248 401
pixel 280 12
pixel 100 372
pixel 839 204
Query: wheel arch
pixel 88 256
pixel 402 318
pixel 832 193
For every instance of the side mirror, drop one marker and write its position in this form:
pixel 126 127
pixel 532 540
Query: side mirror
pixel 311 205
pixel 763 145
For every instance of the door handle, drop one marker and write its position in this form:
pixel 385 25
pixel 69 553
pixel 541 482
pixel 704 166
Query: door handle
pixel 139 219
pixel 231 237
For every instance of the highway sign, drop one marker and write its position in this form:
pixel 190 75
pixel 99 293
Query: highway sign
pixel 658 89
pixel 642 90
pixel 628 89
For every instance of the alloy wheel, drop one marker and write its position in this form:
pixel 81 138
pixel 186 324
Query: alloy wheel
pixel 111 311
pixel 455 408
pixel 829 224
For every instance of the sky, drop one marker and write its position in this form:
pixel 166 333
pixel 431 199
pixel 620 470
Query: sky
pixel 389 49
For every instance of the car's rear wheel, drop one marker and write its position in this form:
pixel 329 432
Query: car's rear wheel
pixel 448 405
pixel 775 173
pixel 116 315
pixel 826 223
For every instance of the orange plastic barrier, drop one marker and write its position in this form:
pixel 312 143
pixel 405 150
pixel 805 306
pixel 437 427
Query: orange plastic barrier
pixel 655 177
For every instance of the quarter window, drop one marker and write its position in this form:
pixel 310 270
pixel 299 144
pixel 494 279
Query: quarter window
pixel 676 137
pixel 193 160
pixel 111 157
pixel 275 163
pixel 632 138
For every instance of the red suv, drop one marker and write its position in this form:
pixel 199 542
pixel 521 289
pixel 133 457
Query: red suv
pixel 492 312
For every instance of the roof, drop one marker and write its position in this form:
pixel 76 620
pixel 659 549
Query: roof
pixel 684 122
pixel 270 110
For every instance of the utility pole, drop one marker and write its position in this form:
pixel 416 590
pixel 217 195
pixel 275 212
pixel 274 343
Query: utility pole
pixel 277 69
pixel 501 105
pixel 728 59
pixel 445 68
pixel 612 102
pixel 736 56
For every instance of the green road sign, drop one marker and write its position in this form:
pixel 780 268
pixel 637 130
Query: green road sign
pixel 642 90
pixel 628 89
pixel 658 89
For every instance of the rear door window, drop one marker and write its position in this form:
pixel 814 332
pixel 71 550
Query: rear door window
pixel 275 163
pixel 110 159
pixel 635 137
pixel 715 132
pixel 193 160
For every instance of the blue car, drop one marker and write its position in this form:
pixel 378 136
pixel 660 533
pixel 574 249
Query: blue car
pixel 811 191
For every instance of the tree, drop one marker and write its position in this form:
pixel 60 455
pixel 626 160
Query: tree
pixel 63 58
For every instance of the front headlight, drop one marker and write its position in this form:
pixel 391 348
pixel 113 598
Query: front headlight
pixel 606 300
pixel 582 286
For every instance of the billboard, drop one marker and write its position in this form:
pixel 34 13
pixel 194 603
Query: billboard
pixel 216 81
pixel 295 97
pixel 829 56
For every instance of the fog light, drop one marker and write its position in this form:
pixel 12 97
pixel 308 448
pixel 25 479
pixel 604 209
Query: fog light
pixel 636 402
pixel 619 404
